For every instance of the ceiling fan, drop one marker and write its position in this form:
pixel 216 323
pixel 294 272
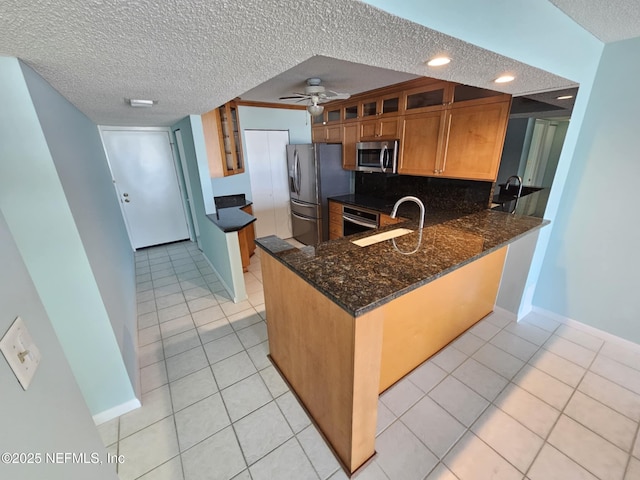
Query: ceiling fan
pixel 315 93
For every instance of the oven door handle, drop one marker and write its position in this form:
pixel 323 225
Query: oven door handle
pixel 359 222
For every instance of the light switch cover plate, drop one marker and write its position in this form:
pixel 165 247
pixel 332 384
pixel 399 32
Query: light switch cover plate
pixel 21 353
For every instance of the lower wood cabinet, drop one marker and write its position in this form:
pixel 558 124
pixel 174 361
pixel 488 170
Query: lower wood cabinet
pixel 335 220
pixel 247 239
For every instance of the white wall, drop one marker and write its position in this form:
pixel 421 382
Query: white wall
pixel 51 416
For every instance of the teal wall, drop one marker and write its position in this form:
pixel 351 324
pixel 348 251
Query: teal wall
pixel 590 272
pixel 51 416
pixel 584 264
pixel 42 223
pixel 216 245
pixel 258 118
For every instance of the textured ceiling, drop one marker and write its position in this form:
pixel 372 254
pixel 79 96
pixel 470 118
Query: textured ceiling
pixel 607 20
pixel 193 55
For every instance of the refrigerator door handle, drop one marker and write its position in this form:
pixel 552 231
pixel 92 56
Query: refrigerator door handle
pixel 300 204
pixel 298 174
pixel 304 218
pixel 294 172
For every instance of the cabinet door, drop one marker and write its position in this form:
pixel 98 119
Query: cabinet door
pixel 335 220
pixel 420 148
pixel 333 134
pixel 380 129
pixel 475 136
pixel 349 140
pixel 427 98
pixel 318 134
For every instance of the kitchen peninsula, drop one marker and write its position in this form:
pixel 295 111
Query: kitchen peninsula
pixel 346 322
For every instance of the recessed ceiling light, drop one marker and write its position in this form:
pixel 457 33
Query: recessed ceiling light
pixel 505 79
pixel 438 61
pixel 141 103
pixel 564 97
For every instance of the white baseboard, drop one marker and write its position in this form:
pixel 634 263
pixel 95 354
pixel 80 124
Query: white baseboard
pixel 224 284
pixel 596 332
pixel 116 411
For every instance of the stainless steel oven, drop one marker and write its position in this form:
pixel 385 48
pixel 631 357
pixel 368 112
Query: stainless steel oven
pixel 377 156
pixel 355 220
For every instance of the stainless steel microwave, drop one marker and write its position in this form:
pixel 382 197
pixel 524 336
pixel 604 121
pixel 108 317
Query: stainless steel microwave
pixel 377 156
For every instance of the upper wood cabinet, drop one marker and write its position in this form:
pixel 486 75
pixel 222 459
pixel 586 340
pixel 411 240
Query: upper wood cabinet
pixel 445 129
pixel 421 143
pixel 349 139
pixel 427 98
pixel 327 133
pixel 380 129
pixel 223 141
pixel 462 141
pixel 389 104
pixel 474 140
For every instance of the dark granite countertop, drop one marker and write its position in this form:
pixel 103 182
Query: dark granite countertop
pixel 232 219
pixel 360 279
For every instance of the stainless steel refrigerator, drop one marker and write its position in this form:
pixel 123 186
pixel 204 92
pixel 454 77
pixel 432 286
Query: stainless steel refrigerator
pixel 315 173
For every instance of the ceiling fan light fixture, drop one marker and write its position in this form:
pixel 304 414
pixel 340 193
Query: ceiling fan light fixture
pixel 505 79
pixel 315 109
pixel 439 61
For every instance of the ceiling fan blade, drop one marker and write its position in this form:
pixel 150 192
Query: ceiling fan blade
pixel 296 96
pixel 337 96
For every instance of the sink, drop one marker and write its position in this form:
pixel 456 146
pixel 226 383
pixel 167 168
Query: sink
pixel 381 237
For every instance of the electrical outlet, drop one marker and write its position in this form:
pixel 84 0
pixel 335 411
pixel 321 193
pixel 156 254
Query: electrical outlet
pixel 21 353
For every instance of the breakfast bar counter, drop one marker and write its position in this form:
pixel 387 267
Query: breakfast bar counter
pixel 346 322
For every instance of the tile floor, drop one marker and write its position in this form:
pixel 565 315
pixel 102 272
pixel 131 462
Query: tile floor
pixel 533 400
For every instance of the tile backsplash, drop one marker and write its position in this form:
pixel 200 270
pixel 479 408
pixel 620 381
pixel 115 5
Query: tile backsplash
pixel 437 193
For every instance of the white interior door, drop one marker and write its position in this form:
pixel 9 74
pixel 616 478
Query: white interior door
pixel 145 178
pixel 267 163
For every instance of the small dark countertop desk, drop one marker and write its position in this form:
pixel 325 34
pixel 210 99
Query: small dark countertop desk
pixel 229 217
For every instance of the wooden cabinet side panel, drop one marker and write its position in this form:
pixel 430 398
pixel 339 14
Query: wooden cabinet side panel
pixel 312 341
pixel 211 128
pixel 420 323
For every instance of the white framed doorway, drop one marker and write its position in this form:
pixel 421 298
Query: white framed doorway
pixel 143 171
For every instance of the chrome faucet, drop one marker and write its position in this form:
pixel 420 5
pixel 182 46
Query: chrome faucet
pixel 514 177
pixel 413 199
pixel 506 187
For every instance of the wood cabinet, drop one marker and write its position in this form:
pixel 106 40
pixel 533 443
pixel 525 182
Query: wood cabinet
pixel 445 129
pixel 247 237
pixel 380 129
pixel 474 140
pixel 462 141
pixel 327 133
pixel 335 220
pixel 421 143
pixel 385 220
pixel 223 142
pixel 349 139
